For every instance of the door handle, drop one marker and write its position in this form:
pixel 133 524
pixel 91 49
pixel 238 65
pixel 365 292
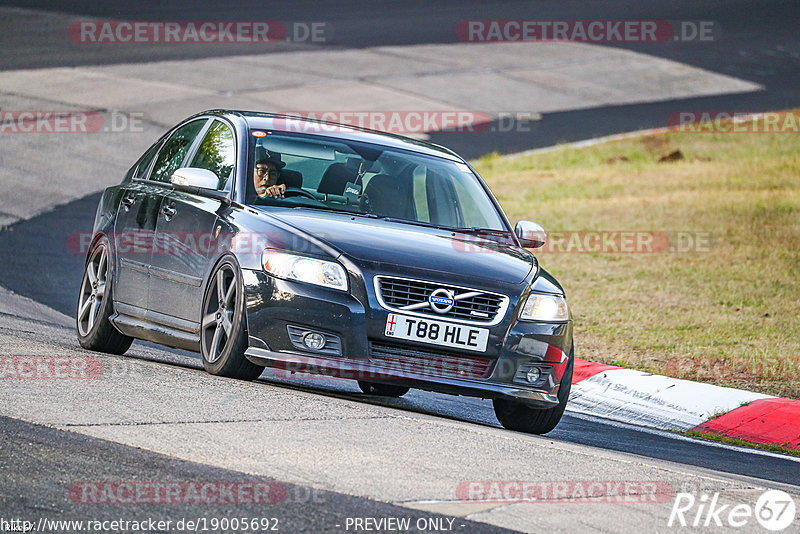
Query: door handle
pixel 129 200
pixel 169 211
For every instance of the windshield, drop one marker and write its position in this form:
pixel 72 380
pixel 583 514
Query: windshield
pixel 366 179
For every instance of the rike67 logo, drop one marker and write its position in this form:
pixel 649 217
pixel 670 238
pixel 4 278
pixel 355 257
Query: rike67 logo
pixel 774 510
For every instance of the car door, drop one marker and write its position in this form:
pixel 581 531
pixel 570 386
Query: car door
pixel 134 228
pixel 187 230
pixel 140 205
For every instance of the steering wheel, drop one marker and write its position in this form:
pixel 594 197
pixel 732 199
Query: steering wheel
pixel 298 192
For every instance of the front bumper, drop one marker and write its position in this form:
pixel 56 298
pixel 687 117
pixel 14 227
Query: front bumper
pixel 358 321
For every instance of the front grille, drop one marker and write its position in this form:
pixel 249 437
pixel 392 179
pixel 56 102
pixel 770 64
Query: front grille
pixel 398 294
pixel 412 361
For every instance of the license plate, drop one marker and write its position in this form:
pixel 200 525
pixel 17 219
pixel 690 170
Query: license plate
pixel 436 332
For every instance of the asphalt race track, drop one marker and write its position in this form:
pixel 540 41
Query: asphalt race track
pixel 335 453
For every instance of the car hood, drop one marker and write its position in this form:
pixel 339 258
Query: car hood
pixel 432 249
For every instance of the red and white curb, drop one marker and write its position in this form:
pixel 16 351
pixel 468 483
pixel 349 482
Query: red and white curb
pixel 665 403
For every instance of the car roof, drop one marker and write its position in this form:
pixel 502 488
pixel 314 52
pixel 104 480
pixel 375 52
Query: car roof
pixel 293 124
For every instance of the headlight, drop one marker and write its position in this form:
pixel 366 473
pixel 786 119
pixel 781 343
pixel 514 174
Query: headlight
pixel 305 269
pixel 541 307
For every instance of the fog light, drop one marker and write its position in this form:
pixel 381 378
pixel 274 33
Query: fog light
pixel 314 341
pixel 533 375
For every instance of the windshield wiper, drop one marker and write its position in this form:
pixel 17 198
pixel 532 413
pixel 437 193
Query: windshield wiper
pixel 471 230
pixel 478 230
pixel 323 208
pixel 417 223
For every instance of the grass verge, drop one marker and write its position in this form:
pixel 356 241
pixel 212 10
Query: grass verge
pixel 721 303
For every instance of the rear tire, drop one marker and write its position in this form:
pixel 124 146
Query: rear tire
pixel 382 390
pixel 521 417
pixel 92 321
pixel 223 332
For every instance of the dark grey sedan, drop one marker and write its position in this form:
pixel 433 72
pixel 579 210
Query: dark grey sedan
pixel 268 241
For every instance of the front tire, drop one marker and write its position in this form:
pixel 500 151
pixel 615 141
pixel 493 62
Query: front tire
pixel 521 417
pixel 223 332
pixel 94 328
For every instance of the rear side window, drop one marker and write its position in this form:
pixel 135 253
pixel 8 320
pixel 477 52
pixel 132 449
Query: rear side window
pixel 145 160
pixel 174 150
pixel 217 154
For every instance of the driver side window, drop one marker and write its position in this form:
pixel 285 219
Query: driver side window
pixel 174 150
pixel 217 154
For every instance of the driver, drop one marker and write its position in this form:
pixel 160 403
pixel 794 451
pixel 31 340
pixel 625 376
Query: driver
pixel 266 174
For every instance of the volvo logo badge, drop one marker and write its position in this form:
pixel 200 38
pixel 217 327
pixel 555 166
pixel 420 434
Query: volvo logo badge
pixel 441 300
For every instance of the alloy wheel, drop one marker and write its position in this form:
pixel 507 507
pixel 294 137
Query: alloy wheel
pixel 218 313
pixel 93 289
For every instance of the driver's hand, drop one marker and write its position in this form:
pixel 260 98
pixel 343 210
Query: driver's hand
pixel 276 190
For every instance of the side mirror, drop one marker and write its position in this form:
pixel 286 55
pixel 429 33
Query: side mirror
pixel 530 234
pixel 194 177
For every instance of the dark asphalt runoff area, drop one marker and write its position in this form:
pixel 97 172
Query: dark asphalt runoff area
pixel 57 476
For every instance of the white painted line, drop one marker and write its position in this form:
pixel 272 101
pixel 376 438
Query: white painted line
pixel 616 137
pixel 588 142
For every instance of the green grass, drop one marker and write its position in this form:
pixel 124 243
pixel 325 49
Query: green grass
pixel 735 441
pixel 728 315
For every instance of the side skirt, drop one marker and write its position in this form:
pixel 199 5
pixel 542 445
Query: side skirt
pixel 156 327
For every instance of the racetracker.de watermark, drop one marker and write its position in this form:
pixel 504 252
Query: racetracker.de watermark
pixel 185 243
pixel 716 121
pixel 392 121
pixel 567 491
pixel 383 369
pixel 196 32
pixel 50 367
pixel 69 122
pixel 589 31
pixel 184 492
pixel 408 122
pixel 753 367
pixel 598 242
